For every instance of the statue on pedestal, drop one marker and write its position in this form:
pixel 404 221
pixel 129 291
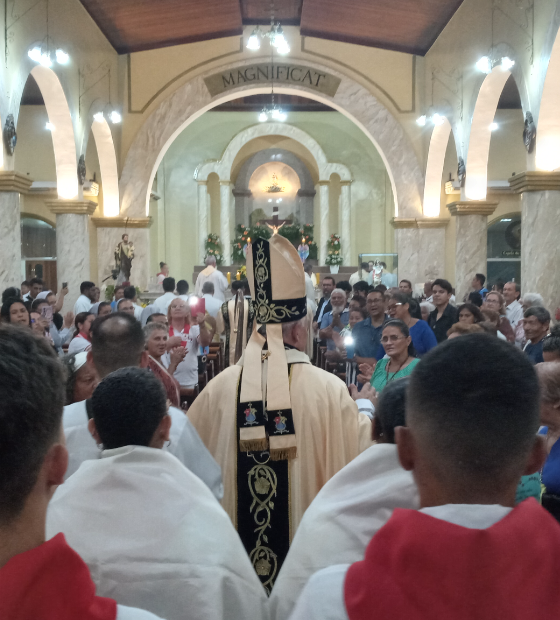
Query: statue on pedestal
pixel 124 253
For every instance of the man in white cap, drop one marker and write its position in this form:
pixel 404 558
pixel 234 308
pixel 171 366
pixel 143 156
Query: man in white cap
pixel 279 427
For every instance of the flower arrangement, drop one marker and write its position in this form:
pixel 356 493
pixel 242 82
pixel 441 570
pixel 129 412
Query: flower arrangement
pixel 213 248
pixel 295 233
pixel 334 253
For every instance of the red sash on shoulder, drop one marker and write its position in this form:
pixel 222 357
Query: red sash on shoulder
pixel 51 582
pixel 418 567
pixel 186 329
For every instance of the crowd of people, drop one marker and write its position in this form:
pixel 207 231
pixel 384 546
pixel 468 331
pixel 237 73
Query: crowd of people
pixel 282 492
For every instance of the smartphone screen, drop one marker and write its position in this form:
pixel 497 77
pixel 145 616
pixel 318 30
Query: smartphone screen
pixel 197 305
pixel 65 285
pixel 47 313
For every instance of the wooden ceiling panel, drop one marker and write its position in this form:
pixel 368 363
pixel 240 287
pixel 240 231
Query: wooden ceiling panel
pixel 136 25
pixel 288 12
pixel 409 26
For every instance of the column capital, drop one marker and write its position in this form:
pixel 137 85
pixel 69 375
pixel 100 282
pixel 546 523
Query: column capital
pixel 404 222
pixel 433 222
pixel 535 181
pixel 472 207
pixel 205 182
pixel 122 222
pixel 12 181
pixel 346 183
pixel 323 182
pixel 81 207
pixel 224 182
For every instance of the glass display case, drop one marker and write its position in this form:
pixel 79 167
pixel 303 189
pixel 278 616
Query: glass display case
pixel 383 268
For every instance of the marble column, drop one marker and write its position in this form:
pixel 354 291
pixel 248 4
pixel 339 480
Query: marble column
pixel 431 257
pixel 12 184
pixel 540 231
pixel 407 247
pixel 202 218
pixel 471 241
pixel 345 215
pixel 72 244
pixel 225 219
pixel 109 233
pixel 323 192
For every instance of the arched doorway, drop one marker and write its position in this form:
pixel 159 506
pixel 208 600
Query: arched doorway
pixel 504 249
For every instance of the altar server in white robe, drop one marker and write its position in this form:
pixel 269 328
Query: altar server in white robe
pixel 117 342
pixel 351 507
pixel 151 532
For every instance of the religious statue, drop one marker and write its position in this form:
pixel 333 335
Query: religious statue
pixel 10 135
pixel 82 170
pixel 124 253
pixel 377 272
pixel 461 172
pixel 529 133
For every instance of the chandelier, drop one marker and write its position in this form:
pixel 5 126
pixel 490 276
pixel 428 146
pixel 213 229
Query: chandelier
pixel 275 36
pixel 275 188
pixel 272 112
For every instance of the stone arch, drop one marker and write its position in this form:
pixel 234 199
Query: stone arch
pixel 64 143
pixel 434 168
pixel 480 134
pixel 223 167
pixel 547 155
pixel 108 166
pixel 193 99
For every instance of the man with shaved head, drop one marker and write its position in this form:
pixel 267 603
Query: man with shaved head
pixel 469 552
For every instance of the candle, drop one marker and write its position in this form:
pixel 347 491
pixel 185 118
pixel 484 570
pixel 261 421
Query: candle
pixel 248 240
pixel 228 277
pixel 238 276
pixel 303 239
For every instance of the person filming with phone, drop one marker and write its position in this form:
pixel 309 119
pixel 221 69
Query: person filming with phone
pixel 186 329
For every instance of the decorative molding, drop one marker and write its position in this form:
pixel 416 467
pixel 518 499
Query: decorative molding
pixel 80 207
pixel 323 182
pixel 306 193
pixel 345 183
pixel 535 181
pixel 472 207
pixel 172 81
pixel 243 193
pixel 368 80
pixel 428 222
pixel 433 222
pixel 122 222
pixel 404 222
pixel 11 181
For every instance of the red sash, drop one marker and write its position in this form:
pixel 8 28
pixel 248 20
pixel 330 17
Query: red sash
pixel 186 329
pixel 419 567
pixel 51 582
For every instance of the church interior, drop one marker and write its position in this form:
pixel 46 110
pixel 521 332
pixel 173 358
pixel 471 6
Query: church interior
pixel 167 119
pixel 291 273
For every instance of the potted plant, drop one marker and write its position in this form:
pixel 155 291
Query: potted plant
pixel 334 253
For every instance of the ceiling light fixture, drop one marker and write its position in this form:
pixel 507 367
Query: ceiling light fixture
pixel 421 120
pixel 49 126
pixel 438 119
pixel 275 35
pixel 486 64
pixel 62 57
pixel 115 117
pixel 98 117
pixel 494 126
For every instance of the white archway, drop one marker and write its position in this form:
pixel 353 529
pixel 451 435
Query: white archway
pixel 108 166
pixel 223 167
pixel 547 155
pixel 479 141
pixel 434 168
pixel 64 143
pixel 193 99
